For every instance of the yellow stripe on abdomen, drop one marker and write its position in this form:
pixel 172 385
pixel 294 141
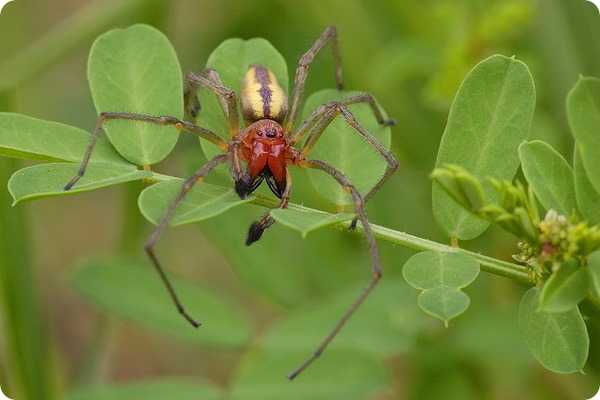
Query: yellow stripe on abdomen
pixel 261 95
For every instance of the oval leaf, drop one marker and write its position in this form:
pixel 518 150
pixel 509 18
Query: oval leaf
pixel 444 303
pixel 489 118
pixel 588 198
pixel 559 341
pixel 432 269
pixel 202 202
pixel 46 180
pixel 231 59
pixel 550 176
pixel 142 297
pixel 583 110
pixel 149 390
pixel 343 148
pixel 564 289
pixel 136 70
pixel 308 221
pixel 441 276
pixel 593 270
pixel 26 137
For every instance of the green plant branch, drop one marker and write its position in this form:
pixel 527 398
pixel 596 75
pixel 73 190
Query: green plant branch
pixel 488 264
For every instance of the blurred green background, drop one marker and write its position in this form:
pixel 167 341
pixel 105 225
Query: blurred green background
pixel 276 299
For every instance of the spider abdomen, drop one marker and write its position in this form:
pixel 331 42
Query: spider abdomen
pixel 261 95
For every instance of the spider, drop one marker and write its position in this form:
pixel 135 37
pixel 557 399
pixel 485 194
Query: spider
pixel 267 144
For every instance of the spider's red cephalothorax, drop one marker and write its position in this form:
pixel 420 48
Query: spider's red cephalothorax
pixel 270 142
pixel 266 150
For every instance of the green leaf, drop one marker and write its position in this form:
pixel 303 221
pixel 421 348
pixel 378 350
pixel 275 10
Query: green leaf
pixel 307 221
pixel 381 326
pixel 489 118
pixel 564 289
pixel 231 59
pixel 148 390
pixel 444 303
pixel 559 341
pixel 550 176
pixel 136 292
pixel 202 202
pixel 593 270
pixel 583 110
pixel 430 270
pixel 588 198
pixel 46 180
pixel 441 276
pixel 136 70
pixel 26 137
pixel 337 375
pixel 342 147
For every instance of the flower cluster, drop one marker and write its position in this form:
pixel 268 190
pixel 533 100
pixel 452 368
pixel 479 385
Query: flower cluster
pixel 545 244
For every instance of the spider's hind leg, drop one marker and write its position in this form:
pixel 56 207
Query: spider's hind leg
pixel 376 272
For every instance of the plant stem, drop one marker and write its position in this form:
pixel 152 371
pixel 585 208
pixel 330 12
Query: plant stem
pixel 488 264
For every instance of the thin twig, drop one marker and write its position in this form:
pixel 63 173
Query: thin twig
pixel 488 264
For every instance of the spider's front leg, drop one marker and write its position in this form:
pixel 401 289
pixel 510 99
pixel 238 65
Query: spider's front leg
pixel 328 35
pixel 182 126
pixel 318 122
pixel 164 223
pixel 376 272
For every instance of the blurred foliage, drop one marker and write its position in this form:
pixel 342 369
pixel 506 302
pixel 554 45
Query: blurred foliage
pixel 412 55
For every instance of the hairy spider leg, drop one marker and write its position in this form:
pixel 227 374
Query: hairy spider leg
pixel 359 206
pixel 321 111
pixel 328 35
pixel 329 113
pixel 324 115
pixel 210 79
pixel 164 223
pixel 182 126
